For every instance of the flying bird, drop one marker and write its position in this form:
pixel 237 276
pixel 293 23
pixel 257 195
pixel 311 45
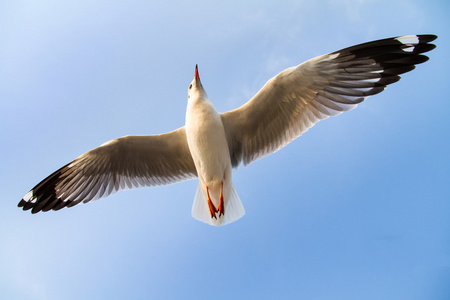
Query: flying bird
pixel 212 143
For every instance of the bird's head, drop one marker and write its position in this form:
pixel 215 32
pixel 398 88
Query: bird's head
pixel 196 88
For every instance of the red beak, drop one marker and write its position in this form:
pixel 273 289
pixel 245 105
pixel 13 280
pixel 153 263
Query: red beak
pixel 196 73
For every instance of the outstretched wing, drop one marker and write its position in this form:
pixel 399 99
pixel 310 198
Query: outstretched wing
pixel 127 162
pixel 298 97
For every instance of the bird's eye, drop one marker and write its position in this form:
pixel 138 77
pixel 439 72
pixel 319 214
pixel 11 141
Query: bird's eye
pixel 190 87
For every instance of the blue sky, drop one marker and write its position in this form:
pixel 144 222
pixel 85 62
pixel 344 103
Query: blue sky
pixel 356 208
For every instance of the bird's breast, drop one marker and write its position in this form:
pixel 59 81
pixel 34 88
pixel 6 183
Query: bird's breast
pixel 207 141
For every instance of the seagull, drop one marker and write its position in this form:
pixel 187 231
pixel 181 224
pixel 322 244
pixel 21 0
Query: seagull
pixel 212 143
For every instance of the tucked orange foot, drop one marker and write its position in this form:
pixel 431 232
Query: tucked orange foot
pixel 221 208
pixel 212 208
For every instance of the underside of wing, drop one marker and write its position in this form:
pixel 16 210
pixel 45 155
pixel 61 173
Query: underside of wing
pixel 297 98
pixel 123 163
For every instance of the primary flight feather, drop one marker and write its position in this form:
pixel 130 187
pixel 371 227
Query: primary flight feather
pixel 211 144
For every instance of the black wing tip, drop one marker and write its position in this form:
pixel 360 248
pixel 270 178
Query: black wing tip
pixel 56 204
pixel 33 211
pixel 27 204
pixel 366 69
pixel 396 55
pixel 421 59
pixel 24 204
pixel 43 197
pixel 420 46
pixel 426 38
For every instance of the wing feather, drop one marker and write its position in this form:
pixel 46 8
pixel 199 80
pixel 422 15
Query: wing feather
pixel 123 163
pixel 298 97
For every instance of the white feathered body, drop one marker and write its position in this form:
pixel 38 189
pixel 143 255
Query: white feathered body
pixel 209 149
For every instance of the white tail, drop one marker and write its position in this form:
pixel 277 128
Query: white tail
pixel 234 210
